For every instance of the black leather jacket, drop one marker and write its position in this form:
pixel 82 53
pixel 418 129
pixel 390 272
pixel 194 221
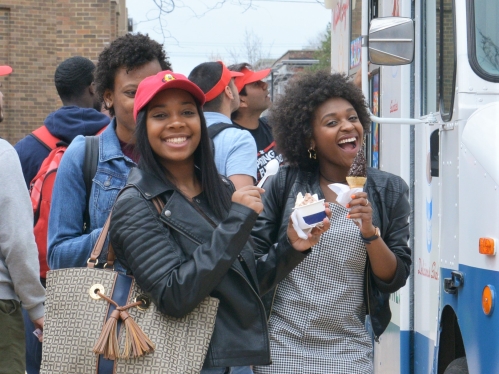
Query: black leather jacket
pixel 388 195
pixel 179 259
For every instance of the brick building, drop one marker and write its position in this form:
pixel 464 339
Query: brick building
pixel 35 36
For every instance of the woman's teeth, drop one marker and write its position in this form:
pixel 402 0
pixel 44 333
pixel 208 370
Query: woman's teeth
pixel 349 140
pixel 176 140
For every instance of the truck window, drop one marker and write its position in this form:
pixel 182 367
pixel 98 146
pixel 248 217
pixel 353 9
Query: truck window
pixel 484 38
pixel 447 56
pixel 430 59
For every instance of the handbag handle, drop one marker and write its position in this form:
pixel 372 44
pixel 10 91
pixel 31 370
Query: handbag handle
pixel 99 244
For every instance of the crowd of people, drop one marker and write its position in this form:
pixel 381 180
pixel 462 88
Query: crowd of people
pixel 200 143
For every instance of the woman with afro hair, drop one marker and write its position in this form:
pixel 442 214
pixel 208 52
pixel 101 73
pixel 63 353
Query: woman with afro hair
pixel 76 219
pixel 318 312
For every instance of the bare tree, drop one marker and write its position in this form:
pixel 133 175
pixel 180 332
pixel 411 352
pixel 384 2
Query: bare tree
pixel 215 56
pixel 251 50
pixel 165 7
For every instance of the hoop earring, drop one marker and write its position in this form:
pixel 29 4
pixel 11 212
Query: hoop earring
pixel 312 154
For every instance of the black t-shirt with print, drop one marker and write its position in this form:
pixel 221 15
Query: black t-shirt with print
pixel 265 146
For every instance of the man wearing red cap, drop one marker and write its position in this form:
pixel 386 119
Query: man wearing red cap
pixel 235 149
pixel 254 100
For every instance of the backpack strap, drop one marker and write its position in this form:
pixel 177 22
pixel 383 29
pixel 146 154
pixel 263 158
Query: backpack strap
pixel 43 135
pixel 216 129
pixel 90 164
pixel 289 181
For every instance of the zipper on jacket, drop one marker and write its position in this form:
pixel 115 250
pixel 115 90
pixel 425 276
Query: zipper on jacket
pixel 202 213
pixel 272 303
pixel 182 232
pixel 259 301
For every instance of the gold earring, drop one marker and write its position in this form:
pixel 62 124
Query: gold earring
pixel 312 154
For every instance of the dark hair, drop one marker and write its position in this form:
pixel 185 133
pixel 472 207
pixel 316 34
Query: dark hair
pixel 73 76
pixel 216 193
pixel 206 76
pixel 129 51
pixel 239 67
pixel 292 116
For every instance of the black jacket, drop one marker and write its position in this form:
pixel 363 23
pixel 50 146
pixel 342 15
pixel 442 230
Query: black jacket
pixel 388 195
pixel 179 259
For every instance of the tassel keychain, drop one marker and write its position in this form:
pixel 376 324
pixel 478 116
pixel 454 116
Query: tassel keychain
pixel 137 343
pixel 107 344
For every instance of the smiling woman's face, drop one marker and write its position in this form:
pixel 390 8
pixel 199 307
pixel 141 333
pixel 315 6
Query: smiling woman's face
pixel 173 127
pixel 336 133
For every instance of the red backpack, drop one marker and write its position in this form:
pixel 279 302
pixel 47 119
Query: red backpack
pixel 41 189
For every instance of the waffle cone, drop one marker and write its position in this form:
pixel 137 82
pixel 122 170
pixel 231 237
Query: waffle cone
pixel 356 182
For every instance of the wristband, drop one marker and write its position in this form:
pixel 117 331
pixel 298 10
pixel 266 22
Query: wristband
pixel 368 240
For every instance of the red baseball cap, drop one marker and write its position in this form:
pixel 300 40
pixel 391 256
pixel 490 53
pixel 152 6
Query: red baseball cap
pixel 5 70
pixel 250 76
pixel 164 80
pixel 223 82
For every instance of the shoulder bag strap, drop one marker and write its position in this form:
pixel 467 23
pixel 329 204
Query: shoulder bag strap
pixel 99 244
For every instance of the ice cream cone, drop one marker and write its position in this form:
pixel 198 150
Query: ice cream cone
pixel 356 182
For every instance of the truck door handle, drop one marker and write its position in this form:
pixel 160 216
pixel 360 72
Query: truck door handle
pixel 452 284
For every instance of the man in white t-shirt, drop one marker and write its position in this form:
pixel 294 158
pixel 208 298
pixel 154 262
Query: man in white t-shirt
pixel 235 149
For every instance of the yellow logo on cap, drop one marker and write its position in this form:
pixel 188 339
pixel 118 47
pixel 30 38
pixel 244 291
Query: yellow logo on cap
pixel 168 77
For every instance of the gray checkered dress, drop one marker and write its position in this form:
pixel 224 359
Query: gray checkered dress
pixel 317 320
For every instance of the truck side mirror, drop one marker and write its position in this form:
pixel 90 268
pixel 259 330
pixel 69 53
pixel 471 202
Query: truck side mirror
pixel 391 41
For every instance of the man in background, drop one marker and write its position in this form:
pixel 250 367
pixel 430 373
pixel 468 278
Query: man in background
pixel 254 100
pixel 79 115
pixel 235 150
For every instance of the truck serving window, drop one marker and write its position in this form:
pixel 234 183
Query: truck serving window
pixel 483 38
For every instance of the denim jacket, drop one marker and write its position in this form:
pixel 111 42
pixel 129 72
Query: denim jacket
pixel 69 245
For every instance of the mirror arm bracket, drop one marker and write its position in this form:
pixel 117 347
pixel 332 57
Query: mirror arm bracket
pixel 430 119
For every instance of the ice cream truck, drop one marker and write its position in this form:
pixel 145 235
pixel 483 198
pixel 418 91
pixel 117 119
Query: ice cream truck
pixel 433 90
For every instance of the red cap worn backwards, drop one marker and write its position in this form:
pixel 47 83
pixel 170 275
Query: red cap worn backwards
pixel 250 76
pixel 164 80
pixel 5 70
pixel 223 82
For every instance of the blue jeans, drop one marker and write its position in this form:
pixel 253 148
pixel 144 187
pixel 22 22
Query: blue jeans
pixel 232 370
pixel 33 346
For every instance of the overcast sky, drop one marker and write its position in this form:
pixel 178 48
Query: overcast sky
pixel 191 39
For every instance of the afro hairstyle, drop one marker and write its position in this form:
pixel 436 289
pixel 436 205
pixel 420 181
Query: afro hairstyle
pixel 292 115
pixel 129 51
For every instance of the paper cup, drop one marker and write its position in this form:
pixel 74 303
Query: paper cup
pixel 312 214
